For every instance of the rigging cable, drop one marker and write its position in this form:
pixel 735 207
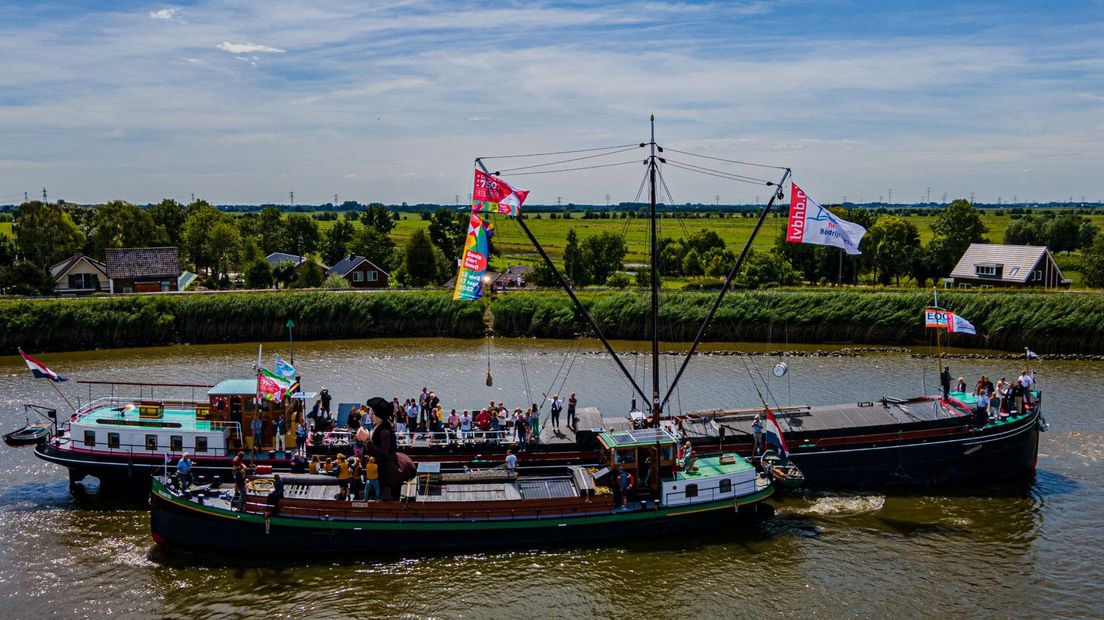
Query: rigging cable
pixel 522 174
pixel 564 161
pixel 731 161
pixel 600 148
pixel 718 173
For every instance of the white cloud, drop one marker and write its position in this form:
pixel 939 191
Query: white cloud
pixel 165 14
pixel 248 48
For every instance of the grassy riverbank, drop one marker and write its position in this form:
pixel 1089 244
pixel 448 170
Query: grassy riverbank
pixel 71 324
pixel 1047 322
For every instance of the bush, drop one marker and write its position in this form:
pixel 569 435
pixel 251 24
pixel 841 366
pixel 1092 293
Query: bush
pixel 336 281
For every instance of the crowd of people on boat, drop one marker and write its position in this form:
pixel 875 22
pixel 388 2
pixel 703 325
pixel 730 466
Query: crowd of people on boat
pixel 994 401
pixel 424 418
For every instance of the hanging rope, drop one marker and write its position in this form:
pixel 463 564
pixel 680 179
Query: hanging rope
pixel 624 163
pixel 550 153
pixel 564 161
pixel 730 161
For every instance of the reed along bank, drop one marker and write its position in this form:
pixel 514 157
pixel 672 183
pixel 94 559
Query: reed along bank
pixel 1049 323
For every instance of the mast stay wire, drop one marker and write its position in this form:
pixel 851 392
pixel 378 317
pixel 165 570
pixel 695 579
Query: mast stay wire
pixel 590 150
pixel 730 161
pixel 595 167
pixel 565 161
pixel 718 173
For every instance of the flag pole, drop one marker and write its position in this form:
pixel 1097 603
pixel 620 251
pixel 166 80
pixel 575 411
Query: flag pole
pixel 62 396
pixel 938 342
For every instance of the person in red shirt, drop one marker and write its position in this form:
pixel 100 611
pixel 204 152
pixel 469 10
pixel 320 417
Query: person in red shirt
pixel 483 420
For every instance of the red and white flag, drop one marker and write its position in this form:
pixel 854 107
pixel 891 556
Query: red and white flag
pixel 39 370
pixel 493 195
pixel 772 427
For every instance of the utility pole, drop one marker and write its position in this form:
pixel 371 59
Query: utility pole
pixel 890 201
pixel 718 198
pixel 25 199
pixel 457 198
pixel 291 198
pixel 944 199
pixel 929 195
pixel 44 201
pixel 335 200
pixel 971 202
pixel 607 200
pixel 193 196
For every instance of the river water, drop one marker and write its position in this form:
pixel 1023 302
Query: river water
pixel 1034 551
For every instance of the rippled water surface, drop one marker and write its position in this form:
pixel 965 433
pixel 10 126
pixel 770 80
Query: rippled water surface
pixel 1033 550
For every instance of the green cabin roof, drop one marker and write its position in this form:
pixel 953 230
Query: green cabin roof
pixel 234 387
pixel 712 466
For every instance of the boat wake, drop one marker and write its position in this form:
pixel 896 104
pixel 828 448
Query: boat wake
pixel 845 505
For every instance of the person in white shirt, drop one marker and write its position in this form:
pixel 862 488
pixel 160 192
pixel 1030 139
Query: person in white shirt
pixel 511 460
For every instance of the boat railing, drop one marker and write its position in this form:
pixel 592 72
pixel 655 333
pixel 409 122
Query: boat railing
pixel 446 436
pixel 119 401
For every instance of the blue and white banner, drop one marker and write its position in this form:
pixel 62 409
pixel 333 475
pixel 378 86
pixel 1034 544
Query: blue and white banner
pixel 284 369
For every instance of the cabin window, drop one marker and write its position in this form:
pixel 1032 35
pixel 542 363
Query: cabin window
pixel 358 276
pixel 201 444
pixel 963 285
pixel 151 442
pixel 624 456
pixel 373 276
pixel 113 440
pixel 90 439
pixel 726 486
pixel 165 286
pixel 176 443
pixel 1038 275
pixel 986 270
pixel 691 490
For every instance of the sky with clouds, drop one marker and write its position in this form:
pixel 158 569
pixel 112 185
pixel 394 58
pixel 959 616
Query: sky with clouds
pixel 242 102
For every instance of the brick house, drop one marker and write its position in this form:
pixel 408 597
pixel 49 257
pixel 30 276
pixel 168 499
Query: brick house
pixel 360 272
pixel 987 265
pixel 143 270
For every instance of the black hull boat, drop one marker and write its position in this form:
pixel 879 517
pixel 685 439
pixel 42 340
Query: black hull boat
pixel 478 510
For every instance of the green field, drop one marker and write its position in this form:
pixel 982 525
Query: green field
pixel 552 234
pixel 6 228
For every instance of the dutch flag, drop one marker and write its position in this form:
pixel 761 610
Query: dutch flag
pixel 39 370
pixel 774 434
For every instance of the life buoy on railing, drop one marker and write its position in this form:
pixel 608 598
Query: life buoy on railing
pixel 261 485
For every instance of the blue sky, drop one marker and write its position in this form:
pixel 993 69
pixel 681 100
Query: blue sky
pixel 239 101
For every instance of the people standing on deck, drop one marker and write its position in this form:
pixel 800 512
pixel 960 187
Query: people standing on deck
pixel 572 420
pixel 184 471
pixel 354 421
pixel 238 468
pixel 423 401
pixel 384 448
pixel 343 476
pixel 1001 397
pixel 483 422
pixel 557 407
pixel 511 461
pixel 757 435
pixel 625 483
pixel 301 438
pixel 534 424
pixel 521 425
pixel 453 424
pixel 466 425
pixel 312 417
pixel 280 433
pixel 982 407
pixel 945 382
pixel 960 387
pixel 371 479
pixel 258 435
pixel 1018 396
pixel 326 398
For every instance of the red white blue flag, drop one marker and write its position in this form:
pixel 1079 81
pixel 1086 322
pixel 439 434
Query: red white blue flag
pixel 772 428
pixel 39 370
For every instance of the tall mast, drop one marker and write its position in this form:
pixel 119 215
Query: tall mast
pixel 655 281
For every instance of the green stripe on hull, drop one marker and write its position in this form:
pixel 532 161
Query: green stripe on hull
pixel 636 515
